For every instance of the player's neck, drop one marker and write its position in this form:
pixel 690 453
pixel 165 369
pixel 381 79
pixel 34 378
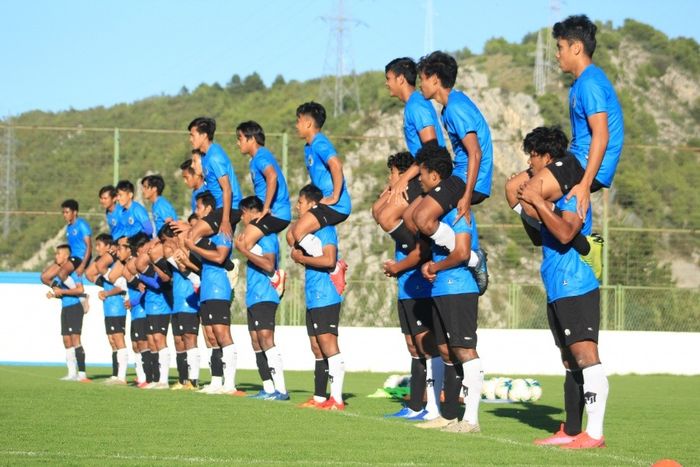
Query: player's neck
pixel 205 146
pixel 406 93
pixel 442 95
pixel 581 66
pixel 312 135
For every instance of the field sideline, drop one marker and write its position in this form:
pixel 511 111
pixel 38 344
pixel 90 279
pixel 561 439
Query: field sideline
pixel 50 421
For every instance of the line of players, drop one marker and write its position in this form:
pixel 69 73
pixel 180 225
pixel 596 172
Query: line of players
pixel 426 209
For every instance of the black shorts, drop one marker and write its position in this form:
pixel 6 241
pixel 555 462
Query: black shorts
pixel 215 312
pixel 158 324
pixel 327 215
pixel 415 315
pixel 115 324
pixel 139 329
pixel 448 193
pixel 414 190
pixel 213 219
pixel 568 172
pixel 270 224
pixel 72 319
pixel 454 319
pixel 323 320
pixel 575 319
pixel 76 262
pixel 184 323
pixel 262 316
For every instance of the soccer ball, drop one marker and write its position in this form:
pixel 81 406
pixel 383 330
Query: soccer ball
pixel 488 389
pixel 519 390
pixel 535 389
pixel 393 381
pixel 502 388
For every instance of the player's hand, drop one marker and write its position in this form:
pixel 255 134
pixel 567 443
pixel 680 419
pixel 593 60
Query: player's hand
pixel 239 242
pixel 398 192
pixel 58 293
pixel 328 201
pixel 583 198
pixel 179 226
pixel 141 287
pixel 389 268
pixel 50 294
pixel 263 213
pixel 80 270
pixel 464 209
pixel 226 230
pixel 127 304
pixel 101 295
pixel 428 272
pixel 297 255
pixel 528 193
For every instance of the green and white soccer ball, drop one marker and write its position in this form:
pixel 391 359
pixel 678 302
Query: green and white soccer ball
pixel 502 388
pixel 535 389
pixel 393 381
pixel 488 389
pixel 519 390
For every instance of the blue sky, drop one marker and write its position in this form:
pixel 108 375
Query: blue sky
pixel 86 53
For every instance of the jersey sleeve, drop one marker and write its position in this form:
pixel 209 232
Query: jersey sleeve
pixel 325 150
pixel 85 229
pixel 218 167
pixel 461 121
pixel 328 236
pixel 592 97
pixel 421 117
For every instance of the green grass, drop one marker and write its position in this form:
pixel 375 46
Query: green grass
pixel 46 421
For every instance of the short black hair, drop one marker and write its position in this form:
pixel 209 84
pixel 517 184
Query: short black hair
pixel 546 140
pixel 70 204
pixel 312 193
pixel 207 199
pixel 125 185
pixel 577 28
pixel 314 110
pixel 440 64
pixel 401 160
pixel 64 246
pixel 108 189
pixel 105 238
pixel 156 181
pixel 436 159
pixel 192 217
pixel 166 232
pixel 251 129
pixel 204 125
pixel 405 67
pixel 251 203
pixel 137 241
pixel 186 166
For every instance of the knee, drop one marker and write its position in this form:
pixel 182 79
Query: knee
pixel 424 221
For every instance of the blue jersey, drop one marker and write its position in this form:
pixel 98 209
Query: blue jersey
pixel 411 282
pixel 216 164
pixel 136 299
pixel 320 291
pixel 113 222
pixel 185 299
pixel 280 207
pixel 418 114
pixel 456 280
pixel 215 284
pixel 135 219
pixel 258 285
pixel 318 153
pixel 563 271
pixel 75 234
pixel 162 210
pixel 69 300
pixel 461 116
pixel 154 300
pixel 195 192
pixel 590 94
pixel 113 306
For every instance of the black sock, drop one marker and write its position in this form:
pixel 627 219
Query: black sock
pixel 404 237
pixel 181 360
pixel 217 366
pixel 452 386
pixel 147 367
pixel 80 357
pixel 115 364
pixel 418 373
pixel 321 377
pixel 263 368
pixel 156 367
pixel 573 402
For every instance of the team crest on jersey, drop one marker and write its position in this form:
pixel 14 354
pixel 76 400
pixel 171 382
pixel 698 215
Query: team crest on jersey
pixel 310 161
pixel 74 232
pixel 113 222
pixel 131 221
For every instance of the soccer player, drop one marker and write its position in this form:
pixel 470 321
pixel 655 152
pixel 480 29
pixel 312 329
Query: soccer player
pixel 262 301
pixel 215 300
pixel 420 126
pixel 455 305
pixel 78 234
pixel 415 315
pixel 322 308
pixel 161 209
pixel 108 201
pixel 133 217
pixel 573 301
pixel 71 313
pixel 193 180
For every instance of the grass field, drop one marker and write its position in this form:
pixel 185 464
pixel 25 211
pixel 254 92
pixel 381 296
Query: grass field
pixel 46 421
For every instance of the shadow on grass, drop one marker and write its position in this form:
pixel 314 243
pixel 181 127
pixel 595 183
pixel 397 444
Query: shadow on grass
pixel 542 417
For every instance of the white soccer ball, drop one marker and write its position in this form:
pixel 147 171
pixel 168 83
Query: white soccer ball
pixel 535 389
pixel 405 381
pixel 519 390
pixel 502 388
pixel 488 389
pixel 392 381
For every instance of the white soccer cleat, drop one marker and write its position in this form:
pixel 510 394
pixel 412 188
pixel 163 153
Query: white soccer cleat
pixel 69 378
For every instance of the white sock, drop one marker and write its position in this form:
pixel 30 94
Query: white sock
pixel 274 361
pixel 473 260
pixel 172 261
pixel 82 375
pixel 257 250
pixel 122 363
pixel 229 360
pixel 435 376
pixel 336 375
pixel 472 382
pixel 595 393
pixel 106 274
pixel 195 279
pixel 69 282
pixel 71 362
pixel 312 245
pixel 532 222
pixel 193 363
pixel 215 382
pixel 164 365
pixel 444 236
pixel 268 386
pixel 140 374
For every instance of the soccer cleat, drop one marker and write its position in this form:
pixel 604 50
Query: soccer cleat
pixel 233 273
pixel 233 392
pixel 159 386
pixel 278 280
pixel 423 416
pixel 480 271
pixel 277 396
pixel 338 276
pixel 188 386
pixel 462 427
pixel 311 404
pixel 380 394
pixel 583 441
pixel 439 422
pixel 405 412
pixel 212 389
pixel 594 258
pixel 558 438
pixel 261 394
pixel 177 386
pixel 84 379
pixel 143 385
pixel 69 378
pixel 332 404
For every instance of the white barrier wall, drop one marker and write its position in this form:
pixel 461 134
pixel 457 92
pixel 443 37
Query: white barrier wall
pixel 30 333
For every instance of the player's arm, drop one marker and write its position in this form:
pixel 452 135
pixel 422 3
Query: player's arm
pixel 74 292
pixel 86 256
pixel 142 216
pixel 415 257
pixel 335 166
pixel 266 262
pixel 473 148
pixel 456 257
pixel 600 136
pixel 564 226
pixel 325 261
pixel 270 175
pixel 217 256
pixel 225 227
